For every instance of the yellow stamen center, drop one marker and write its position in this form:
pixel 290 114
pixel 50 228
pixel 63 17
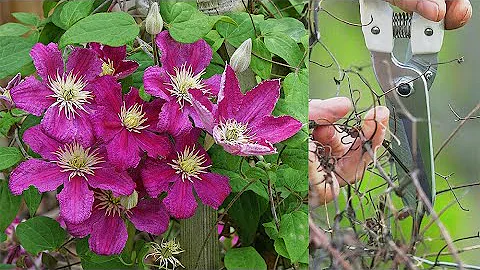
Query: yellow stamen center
pixel 77 160
pixel 184 80
pixel 107 68
pixel 189 164
pixel 133 118
pixel 233 133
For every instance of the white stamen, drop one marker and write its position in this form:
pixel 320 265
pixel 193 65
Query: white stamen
pixel 184 80
pixel 110 203
pixel 77 160
pixel 133 118
pixel 233 133
pixel 189 164
pixel 69 93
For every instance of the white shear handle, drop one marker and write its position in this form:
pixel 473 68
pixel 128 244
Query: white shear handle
pixel 377 21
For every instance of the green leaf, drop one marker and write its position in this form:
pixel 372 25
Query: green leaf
pixel 244 258
pixel 294 179
pixel 48 5
pixel 258 65
pixel 91 260
pixel 214 39
pixel 144 61
pixel 73 11
pixel 113 29
pixel 7 266
pixel 289 26
pixel 50 33
pixel 271 229
pixel 3 237
pixel 229 165
pixel 285 47
pixel 14 54
pixel 27 18
pixel 9 156
pixel 13 30
pixel 9 205
pixel 296 87
pixel 280 248
pixel 29 122
pixel 6 122
pixel 40 233
pixel 32 198
pixel 246 213
pixel 187 24
pixel 294 231
pixel 243 30
pixel 296 157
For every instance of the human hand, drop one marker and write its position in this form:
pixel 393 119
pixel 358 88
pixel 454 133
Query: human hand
pixel 455 12
pixel 348 158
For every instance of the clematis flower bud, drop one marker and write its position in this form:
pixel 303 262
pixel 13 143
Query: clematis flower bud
pixel 154 20
pixel 130 201
pixel 242 56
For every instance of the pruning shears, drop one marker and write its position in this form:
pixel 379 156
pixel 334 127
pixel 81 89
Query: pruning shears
pixel 406 87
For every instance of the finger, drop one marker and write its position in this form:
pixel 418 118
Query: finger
pixel 459 13
pixel 329 110
pixel 324 187
pixel 326 112
pixel 433 10
pixel 352 166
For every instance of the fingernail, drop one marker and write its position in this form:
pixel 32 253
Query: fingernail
pixel 429 10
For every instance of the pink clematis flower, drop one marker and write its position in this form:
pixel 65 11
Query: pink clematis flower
pixel 186 167
pixel 64 91
pixel 106 226
pixel 182 68
pixel 113 60
pixel 243 124
pixel 74 165
pixel 6 101
pixel 127 124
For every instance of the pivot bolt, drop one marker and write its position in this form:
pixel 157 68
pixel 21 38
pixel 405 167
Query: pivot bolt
pixel 404 89
pixel 428 31
pixel 375 30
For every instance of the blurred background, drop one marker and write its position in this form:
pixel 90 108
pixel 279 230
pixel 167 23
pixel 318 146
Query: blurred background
pixel 455 84
pixel 7 7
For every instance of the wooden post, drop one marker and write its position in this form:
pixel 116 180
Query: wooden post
pixel 193 233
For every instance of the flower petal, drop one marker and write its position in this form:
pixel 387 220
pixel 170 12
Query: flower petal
pixel 123 150
pixel 213 84
pixel 197 55
pixel 180 201
pixel 206 111
pixel 156 82
pixel 212 189
pixel 155 145
pixel 45 176
pixel 56 125
pixel 107 178
pixel 125 68
pixel 109 237
pixel 156 177
pixel 172 120
pixel 75 200
pixel 84 63
pixel 84 228
pixel 47 60
pixel 259 101
pixel 150 216
pixel 276 129
pixel 108 93
pixel 230 96
pixel 32 96
pixel 41 143
pixel 115 54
